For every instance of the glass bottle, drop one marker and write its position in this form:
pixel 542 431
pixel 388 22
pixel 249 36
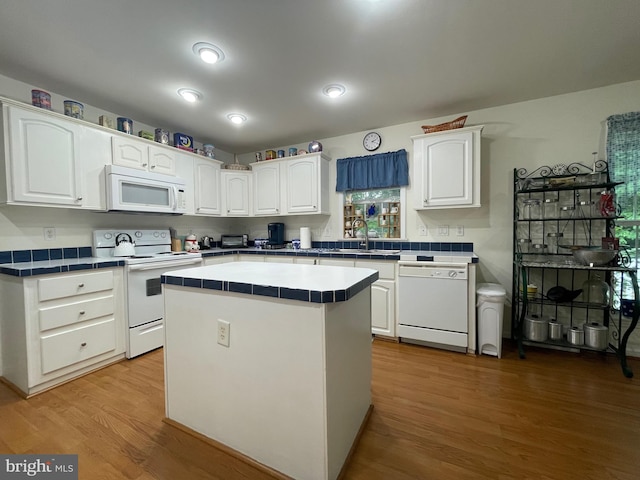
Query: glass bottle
pixel 550 208
pixel 595 291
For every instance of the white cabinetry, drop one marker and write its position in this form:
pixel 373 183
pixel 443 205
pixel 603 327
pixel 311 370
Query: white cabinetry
pixel 307 184
pixel 51 160
pixel 292 186
pixel 138 153
pixel 266 188
pixel 218 260
pixel 447 168
pixel 383 297
pixel 236 188
pixel 207 187
pixel 57 327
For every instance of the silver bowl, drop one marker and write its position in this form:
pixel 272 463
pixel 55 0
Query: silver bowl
pixel 595 257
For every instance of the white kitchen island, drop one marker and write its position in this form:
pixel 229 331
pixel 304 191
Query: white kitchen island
pixel 293 387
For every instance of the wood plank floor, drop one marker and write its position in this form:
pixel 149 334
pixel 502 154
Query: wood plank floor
pixel 437 415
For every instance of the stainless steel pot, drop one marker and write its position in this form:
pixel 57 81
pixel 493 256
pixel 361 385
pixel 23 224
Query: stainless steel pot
pixel 596 336
pixel 555 330
pixel 575 336
pixel 536 328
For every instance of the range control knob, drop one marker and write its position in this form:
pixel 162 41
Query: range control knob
pixel 108 236
pixel 138 234
pixel 453 274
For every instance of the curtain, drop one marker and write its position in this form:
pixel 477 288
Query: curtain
pixel 623 156
pixel 383 170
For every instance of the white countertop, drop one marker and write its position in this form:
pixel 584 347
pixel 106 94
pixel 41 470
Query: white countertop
pixel 294 276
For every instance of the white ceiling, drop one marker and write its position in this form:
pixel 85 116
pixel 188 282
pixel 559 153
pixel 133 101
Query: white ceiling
pixel 400 60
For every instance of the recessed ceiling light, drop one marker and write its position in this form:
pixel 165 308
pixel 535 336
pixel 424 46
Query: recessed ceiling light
pixel 189 95
pixel 334 90
pixel 237 118
pixel 208 53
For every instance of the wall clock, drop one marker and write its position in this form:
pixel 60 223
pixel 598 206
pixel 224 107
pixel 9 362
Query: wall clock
pixel 372 141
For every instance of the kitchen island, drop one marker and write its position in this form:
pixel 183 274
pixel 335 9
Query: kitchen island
pixel 272 362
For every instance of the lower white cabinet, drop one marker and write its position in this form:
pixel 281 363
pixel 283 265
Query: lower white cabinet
pixel 383 297
pixel 218 260
pixel 60 326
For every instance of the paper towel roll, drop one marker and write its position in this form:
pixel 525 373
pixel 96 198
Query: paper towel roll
pixel 305 237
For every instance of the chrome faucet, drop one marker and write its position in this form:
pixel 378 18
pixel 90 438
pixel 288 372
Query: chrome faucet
pixel 366 231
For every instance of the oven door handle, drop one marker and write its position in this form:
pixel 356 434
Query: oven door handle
pixel 157 265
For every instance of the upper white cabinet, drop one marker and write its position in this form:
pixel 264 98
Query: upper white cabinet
pixel 266 188
pixel 207 187
pixel 236 188
pixel 447 168
pixel 51 160
pixel 292 185
pixel 132 152
pixel 307 184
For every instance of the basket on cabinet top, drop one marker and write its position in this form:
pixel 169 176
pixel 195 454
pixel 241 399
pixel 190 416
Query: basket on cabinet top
pixel 453 124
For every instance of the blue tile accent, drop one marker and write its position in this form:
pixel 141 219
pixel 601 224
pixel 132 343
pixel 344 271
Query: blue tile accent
pixel 467 247
pixel 321 297
pixel 193 282
pixel 475 260
pixel 10 271
pixel 172 280
pixel 340 295
pixel 40 255
pixel 70 253
pixel 64 268
pixel 21 256
pixel 457 247
pixel 84 252
pixel 265 290
pixel 44 270
pixel 119 263
pixel 295 294
pixel 81 266
pixel 212 284
pixel 239 287
pixel 5 257
pixel 55 253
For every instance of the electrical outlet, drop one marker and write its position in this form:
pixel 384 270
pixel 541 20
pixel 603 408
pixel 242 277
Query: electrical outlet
pixel 224 332
pixel 422 230
pixel 460 230
pixel 443 230
pixel 49 233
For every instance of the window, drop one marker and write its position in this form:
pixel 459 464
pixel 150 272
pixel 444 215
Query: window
pixel 380 209
pixel 623 155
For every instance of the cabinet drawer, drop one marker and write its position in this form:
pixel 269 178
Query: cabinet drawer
pixel 64 349
pixel 71 313
pixel 69 285
pixel 385 270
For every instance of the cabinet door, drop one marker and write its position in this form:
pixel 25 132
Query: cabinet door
pixel 448 170
pixel 129 152
pixel 95 152
pixel 383 308
pixel 266 189
pixel 161 160
pixel 236 193
pixel 207 183
pixel 302 185
pixel 43 157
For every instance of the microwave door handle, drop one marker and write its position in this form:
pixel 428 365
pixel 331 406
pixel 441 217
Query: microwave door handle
pixel 174 189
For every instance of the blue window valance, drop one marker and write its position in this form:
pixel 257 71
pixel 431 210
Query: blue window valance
pixel 382 170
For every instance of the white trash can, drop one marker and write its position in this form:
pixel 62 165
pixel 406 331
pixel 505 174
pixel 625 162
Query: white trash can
pixel 490 303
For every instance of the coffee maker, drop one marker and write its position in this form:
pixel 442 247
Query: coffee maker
pixel 276 235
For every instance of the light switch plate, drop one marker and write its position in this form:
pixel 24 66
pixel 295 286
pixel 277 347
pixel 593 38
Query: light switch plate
pixel 443 230
pixel 224 332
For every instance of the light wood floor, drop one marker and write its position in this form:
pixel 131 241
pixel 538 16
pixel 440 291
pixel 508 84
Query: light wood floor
pixel 437 415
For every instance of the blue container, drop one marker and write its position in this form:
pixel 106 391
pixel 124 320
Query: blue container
pixel 125 125
pixel 183 141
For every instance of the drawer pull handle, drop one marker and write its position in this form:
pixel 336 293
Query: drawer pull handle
pixel 82 312
pixel 81 285
pixel 83 344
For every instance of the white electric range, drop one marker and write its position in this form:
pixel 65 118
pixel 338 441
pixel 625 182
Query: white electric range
pixel 144 306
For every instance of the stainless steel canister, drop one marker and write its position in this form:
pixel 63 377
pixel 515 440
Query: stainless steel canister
pixel 536 328
pixel 555 330
pixel 575 336
pixel 596 336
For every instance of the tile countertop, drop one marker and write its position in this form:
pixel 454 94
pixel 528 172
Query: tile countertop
pixel 405 255
pixel 27 269
pixel 307 283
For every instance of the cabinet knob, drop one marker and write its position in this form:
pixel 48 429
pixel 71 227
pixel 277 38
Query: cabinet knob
pixel 144 164
pixel 82 312
pixel 79 199
pixel 80 285
pixel 153 166
pixel 83 344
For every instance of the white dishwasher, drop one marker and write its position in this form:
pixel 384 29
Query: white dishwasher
pixel 433 303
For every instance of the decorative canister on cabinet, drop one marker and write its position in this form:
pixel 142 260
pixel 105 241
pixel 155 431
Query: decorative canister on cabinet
pixel 125 125
pixel 73 109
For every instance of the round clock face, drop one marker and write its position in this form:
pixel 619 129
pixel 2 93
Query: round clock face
pixel 372 141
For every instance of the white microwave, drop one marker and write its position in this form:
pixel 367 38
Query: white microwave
pixel 131 190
